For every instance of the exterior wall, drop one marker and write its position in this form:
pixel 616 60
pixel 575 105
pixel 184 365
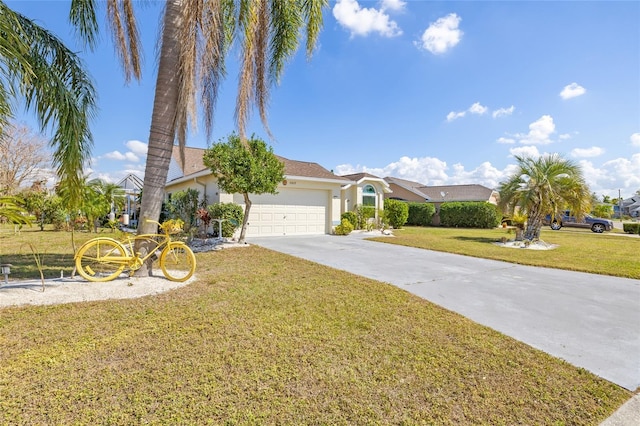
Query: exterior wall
pixel 205 185
pixel 352 196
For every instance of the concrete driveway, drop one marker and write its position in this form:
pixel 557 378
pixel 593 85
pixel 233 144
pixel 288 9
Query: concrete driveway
pixel 591 321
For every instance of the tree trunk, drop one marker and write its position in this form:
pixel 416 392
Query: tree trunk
pixel 245 220
pixel 534 225
pixel 162 132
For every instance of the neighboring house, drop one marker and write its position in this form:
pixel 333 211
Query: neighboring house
pixel 413 191
pixel 631 206
pixel 406 190
pixel 309 201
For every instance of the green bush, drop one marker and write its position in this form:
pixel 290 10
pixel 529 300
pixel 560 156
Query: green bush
pixel 344 228
pixel 420 214
pixel 184 205
pixel 396 212
pixel 233 214
pixel 351 217
pixel 469 215
pixel 631 228
pixel 363 214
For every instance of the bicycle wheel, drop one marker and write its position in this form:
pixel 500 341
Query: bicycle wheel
pixel 96 259
pixel 177 261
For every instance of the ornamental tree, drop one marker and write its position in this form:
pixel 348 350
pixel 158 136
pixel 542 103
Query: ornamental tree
pixel 244 169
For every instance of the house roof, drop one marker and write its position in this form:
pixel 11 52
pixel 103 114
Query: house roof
pixel 194 164
pixel 470 192
pixel 306 169
pixel 408 185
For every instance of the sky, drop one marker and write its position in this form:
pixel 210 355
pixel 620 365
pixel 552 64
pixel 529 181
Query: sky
pixel 439 93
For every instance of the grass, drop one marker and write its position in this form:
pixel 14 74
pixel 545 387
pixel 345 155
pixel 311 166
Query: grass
pixel 579 250
pixel 262 337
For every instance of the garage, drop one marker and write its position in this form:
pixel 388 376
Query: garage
pixel 290 212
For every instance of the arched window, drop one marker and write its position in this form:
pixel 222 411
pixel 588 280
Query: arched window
pixel 369 196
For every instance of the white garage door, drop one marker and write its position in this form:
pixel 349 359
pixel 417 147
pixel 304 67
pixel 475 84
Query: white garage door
pixel 290 212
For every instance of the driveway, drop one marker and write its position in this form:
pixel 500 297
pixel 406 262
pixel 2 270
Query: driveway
pixel 591 321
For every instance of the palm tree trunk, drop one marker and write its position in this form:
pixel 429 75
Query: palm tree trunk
pixel 534 225
pixel 162 132
pixel 245 220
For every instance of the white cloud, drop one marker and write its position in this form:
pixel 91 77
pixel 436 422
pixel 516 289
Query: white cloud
pixel 612 176
pixel 572 90
pixel 137 147
pixel 362 21
pixel 594 151
pixel 395 5
pixel 455 115
pixel 539 132
pixel 506 140
pixel 136 152
pixel 503 112
pixel 564 136
pixel 635 139
pixel 441 35
pixel 525 151
pixel 118 156
pixel 477 109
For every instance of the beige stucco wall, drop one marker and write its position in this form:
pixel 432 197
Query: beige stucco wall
pixel 352 196
pixel 205 185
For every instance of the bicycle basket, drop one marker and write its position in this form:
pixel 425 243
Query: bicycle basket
pixel 172 226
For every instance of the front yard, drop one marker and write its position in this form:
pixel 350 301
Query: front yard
pixel 262 337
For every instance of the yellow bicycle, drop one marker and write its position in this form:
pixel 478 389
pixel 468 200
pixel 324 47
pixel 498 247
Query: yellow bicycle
pixel 103 259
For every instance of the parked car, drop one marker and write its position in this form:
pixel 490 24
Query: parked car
pixel 596 224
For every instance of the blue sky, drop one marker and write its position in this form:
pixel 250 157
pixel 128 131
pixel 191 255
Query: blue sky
pixel 435 92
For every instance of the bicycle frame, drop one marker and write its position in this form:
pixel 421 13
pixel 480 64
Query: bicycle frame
pixel 123 254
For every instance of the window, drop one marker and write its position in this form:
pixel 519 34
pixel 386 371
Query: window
pixel 368 196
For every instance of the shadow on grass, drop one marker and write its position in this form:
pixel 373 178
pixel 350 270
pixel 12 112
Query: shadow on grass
pixel 24 265
pixel 477 239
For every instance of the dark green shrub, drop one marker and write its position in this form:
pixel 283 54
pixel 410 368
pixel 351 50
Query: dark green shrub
pixel 469 215
pixel 233 214
pixel 351 217
pixel 420 214
pixel 631 228
pixel 396 212
pixel 344 228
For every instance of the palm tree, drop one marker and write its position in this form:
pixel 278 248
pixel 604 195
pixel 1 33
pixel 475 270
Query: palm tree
pixel 196 36
pixel 36 66
pixel 542 186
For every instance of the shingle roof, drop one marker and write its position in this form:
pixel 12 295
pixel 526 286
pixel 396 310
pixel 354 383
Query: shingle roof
pixel 409 185
pixel 357 176
pixel 306 169
pixel 471 192
pixel 192 159
pixel 193 163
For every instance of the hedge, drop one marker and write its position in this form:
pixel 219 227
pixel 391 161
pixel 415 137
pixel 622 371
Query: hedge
pixel 420 214
pixel 631 228
pixel 469 215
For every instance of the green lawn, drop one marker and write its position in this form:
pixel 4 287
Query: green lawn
pixel 262 337
pixel 578 249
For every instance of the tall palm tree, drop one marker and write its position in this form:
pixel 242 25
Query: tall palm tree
pixel 35 65
pixel 542 186
pixel 196 36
